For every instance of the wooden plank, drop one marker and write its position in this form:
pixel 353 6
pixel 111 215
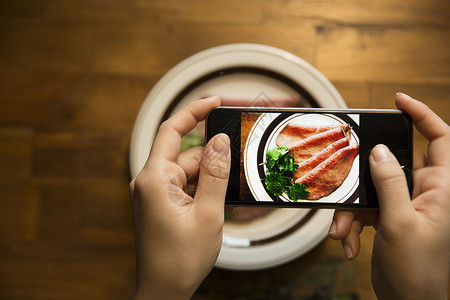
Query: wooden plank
pixel 16 151
pixel 20 213
pixel 59 271
pixel 356 95
pixel 82 154
pixel 383 14
pixel 50 100
pixel 107 217
pixel 119 45
pixel 384 55
pixel 413 13
pixel 60 215
pixel 43 44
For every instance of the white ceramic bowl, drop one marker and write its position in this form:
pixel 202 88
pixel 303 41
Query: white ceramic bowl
pixel 251 72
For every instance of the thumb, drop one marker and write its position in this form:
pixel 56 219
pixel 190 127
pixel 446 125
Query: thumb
pixel 390 182
pixel 214 172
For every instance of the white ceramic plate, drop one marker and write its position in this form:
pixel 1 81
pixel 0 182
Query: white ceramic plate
pixel 244 72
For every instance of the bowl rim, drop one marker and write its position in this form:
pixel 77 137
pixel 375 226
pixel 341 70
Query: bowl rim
pixel 214 59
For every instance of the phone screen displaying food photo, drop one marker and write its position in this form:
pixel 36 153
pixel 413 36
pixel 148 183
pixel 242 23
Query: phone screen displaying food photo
pixel 299 157
pixel 308 157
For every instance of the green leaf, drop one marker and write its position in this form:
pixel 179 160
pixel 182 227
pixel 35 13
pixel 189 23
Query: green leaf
pixel 297 191
pixel 280 168
pixel 274 156
pixel 287 164
pixel 276 183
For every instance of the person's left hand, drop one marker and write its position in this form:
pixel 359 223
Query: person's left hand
pixel 178 223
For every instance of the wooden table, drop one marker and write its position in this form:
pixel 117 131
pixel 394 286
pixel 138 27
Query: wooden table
pixel 73 75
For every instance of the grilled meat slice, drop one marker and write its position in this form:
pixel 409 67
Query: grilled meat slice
pixel 312 145
pixel 293 133
pixel 330 174
pixel 309 164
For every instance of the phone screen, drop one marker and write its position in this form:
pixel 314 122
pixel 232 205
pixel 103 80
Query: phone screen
pixel 308 158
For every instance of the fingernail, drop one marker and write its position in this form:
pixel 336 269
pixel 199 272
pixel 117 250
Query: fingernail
pixel 332 228
pixel 404 95
pixel 381 153
pixel 221 144
pixel 348 252
pixel 211 98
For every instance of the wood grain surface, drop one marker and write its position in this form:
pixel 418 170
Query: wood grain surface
pixel 73 75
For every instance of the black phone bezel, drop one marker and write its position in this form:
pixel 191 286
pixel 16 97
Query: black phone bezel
pixel 398 137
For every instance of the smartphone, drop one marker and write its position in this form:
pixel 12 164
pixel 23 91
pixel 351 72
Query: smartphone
pixel 302 157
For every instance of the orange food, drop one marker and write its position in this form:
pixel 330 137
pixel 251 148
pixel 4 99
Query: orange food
pixel 323 153
pixel 329 175
pixel 309 164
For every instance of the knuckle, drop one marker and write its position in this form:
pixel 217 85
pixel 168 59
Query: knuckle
pixel 217 166
pixel 393 179
pixel 164 126
pixel 179 179
pixel 389 174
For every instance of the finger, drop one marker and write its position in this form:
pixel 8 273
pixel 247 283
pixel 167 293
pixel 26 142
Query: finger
pixel 168 139
pixel 189 161
pixel 425 120
pixel 131 188
pixel 433 128
pixel 419 158
pixel 390 182
pixel 213 176
pixel 287 102
pixel 351 243
pixel 342 223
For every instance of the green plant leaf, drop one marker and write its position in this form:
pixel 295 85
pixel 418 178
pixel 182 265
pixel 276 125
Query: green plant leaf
pixel 297 191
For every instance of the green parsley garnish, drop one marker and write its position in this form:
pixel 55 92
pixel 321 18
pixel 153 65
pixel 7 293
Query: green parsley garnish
pixel 297 191
pixel 280 170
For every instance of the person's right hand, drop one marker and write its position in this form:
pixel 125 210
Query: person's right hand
pixel 411 251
